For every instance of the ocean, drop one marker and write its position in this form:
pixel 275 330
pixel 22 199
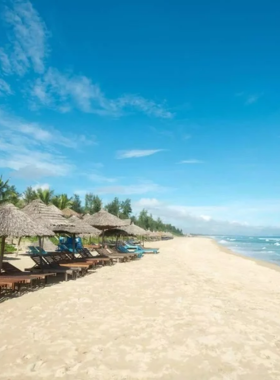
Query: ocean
pixel 258 247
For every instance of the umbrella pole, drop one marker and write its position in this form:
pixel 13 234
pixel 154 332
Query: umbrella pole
pixel 2 251
pixel 103 238
pixel 73 242
pixel 40 245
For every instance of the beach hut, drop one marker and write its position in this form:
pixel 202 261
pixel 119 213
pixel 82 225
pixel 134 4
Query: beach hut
pixel 15 223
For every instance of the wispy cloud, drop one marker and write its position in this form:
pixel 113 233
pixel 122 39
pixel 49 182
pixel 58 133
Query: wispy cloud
pixel 40 134
pixel 136 153
pixel 5 88
pixel 63 91
pixel 27 34
pixel 138 188
pixel 148 107
pixel 95 177
pixel 252 99
pixel 27 51
pixel 192 161
pixel 43 186
pixel 31 150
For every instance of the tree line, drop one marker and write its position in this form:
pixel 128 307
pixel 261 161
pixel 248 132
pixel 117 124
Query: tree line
pixel 92 203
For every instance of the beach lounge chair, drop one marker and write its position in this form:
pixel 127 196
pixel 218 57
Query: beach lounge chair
pixel 114 251
pixel 14 282
pixel 43 266
pixel 88 260
pixel 115 257
pixel 62 260
pixel 123 249
pixel 140 248
pixel 11 270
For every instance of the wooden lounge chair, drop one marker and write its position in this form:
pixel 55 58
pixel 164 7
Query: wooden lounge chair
pixel 118 258
pixel 114 251
pixel 63 260
pixel 14 282
pixel 11 270
pixel 43 266
pixel 86 254
pixel 89 259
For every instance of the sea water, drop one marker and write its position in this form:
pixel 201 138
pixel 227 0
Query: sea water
pixel 258 247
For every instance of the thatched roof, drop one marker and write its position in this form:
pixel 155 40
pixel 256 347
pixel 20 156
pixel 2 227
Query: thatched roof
pixel 87 216
pixel 16 223
pixel 45 215
pixel 67 212
pixel 55 209
pixel 103 220
pixel 115 232
pixel 135 230
pixel 85 228
pixel 127 221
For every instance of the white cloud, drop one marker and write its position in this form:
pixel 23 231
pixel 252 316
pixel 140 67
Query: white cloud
pixel 28 149
pixel 43 186
pixel 42 134
pixel 148 202
pixel 252 99
pixel 5 88
pixel 140 188
pixel 192 161
pixel 95 177
pixel 27 34
pixel 148 107
pixel 63 91
pixel 5 62
pixel 135 153
pixel 211 219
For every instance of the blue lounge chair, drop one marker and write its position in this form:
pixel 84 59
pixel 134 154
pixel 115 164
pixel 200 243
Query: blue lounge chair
pixel 143 249
pixel 123 249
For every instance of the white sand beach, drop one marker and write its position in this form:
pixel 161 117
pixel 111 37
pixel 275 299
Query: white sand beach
pixel 192 312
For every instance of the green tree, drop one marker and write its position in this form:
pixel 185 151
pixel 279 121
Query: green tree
pixel 62 201
pixel 46 195
pixel 114 207
pixel 92 203
pixel 125 208
pixel 77 204
pixel 29 195
pixel 8 193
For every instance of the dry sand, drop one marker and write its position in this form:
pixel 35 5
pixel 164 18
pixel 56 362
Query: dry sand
pixel 192 312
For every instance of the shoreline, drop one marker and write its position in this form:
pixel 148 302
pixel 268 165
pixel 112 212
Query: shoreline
pixel 262 263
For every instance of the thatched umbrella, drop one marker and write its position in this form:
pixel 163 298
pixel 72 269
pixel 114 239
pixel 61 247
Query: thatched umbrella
pixel 45 215
pixel 87 216
pixel 127 221
pixel 85 228
pixel 103 220
pixel 55 209
pixel 134 230
pixel 16 223
pixel 68 212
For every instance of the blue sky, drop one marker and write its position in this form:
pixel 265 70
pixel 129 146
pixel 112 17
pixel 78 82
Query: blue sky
pixel 172 104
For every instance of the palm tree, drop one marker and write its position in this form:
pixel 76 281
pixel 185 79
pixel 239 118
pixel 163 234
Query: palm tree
pixel 46 195
pixel 8 193
pixel 29 195
pixel 62 201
